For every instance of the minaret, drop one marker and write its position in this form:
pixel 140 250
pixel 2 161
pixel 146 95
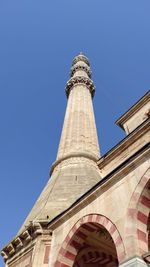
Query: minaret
pixel 73 173
pixel 75 169
pixel 79 135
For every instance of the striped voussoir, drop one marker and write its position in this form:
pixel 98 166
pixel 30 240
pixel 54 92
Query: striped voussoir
pixel 99 258
pixel 142 219
pixel 78 234
pixel 138 213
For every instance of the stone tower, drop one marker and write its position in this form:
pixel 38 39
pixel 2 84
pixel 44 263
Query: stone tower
pixel 93 212
pixel 75 170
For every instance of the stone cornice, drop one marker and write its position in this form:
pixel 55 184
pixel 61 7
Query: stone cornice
pixel 127 115
pixel 24 238
pixel 80 67
pixel 124 144
pixel 80 80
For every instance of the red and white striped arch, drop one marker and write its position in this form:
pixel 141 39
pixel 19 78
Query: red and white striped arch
pixel 137 217
pixel 78 234
pixel 142 219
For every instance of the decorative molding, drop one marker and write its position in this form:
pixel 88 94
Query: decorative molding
pixel 134 109
pixel 80 80
pixel 124 144
pixel 26 235
pixel 81 67
pixel 81 58
pixel 33 230
pixel 4 255
pixel 74 158
pixel 11 249
pixel 18 242
pixel 38 228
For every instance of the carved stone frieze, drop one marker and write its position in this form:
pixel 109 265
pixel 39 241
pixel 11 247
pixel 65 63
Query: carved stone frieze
pixel 80 67
pixel 80 80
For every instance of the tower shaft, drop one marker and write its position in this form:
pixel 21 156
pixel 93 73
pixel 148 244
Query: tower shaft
pixel 75 170
pixel 79 136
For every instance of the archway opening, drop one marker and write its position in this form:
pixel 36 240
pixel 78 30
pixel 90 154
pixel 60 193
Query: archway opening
pixel 95 247
pixel 143 223
pixel 148 230
pixel 143 219
pixel 147 201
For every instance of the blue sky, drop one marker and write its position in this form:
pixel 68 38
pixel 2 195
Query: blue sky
pixel 38 40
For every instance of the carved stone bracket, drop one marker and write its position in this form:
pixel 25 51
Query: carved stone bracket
pixel 4 255
pixel 11 249
pixel 18 242
pixel 80 67
pixel 80 80
pixel 26 235
pixel 24 238
pixel 38 228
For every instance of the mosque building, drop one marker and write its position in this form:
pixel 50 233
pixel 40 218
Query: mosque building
pixel 94 210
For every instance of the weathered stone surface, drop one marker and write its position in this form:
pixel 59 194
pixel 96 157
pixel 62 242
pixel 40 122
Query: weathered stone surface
pixel 91 211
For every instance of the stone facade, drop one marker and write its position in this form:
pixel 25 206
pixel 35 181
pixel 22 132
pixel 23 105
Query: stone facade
pixel 94 211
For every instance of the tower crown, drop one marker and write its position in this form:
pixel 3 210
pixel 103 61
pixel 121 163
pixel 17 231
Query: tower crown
pixel 80 74
pixel 81 57
pixel 80 66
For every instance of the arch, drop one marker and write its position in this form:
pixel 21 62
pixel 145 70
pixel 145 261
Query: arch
pixel 136 234
pixel 79 232
pixel 143 218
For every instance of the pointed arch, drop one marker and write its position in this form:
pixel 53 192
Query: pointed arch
pixel 79 233
pixel 136 234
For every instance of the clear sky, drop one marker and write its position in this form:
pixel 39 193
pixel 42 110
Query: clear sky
pixel 38 40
